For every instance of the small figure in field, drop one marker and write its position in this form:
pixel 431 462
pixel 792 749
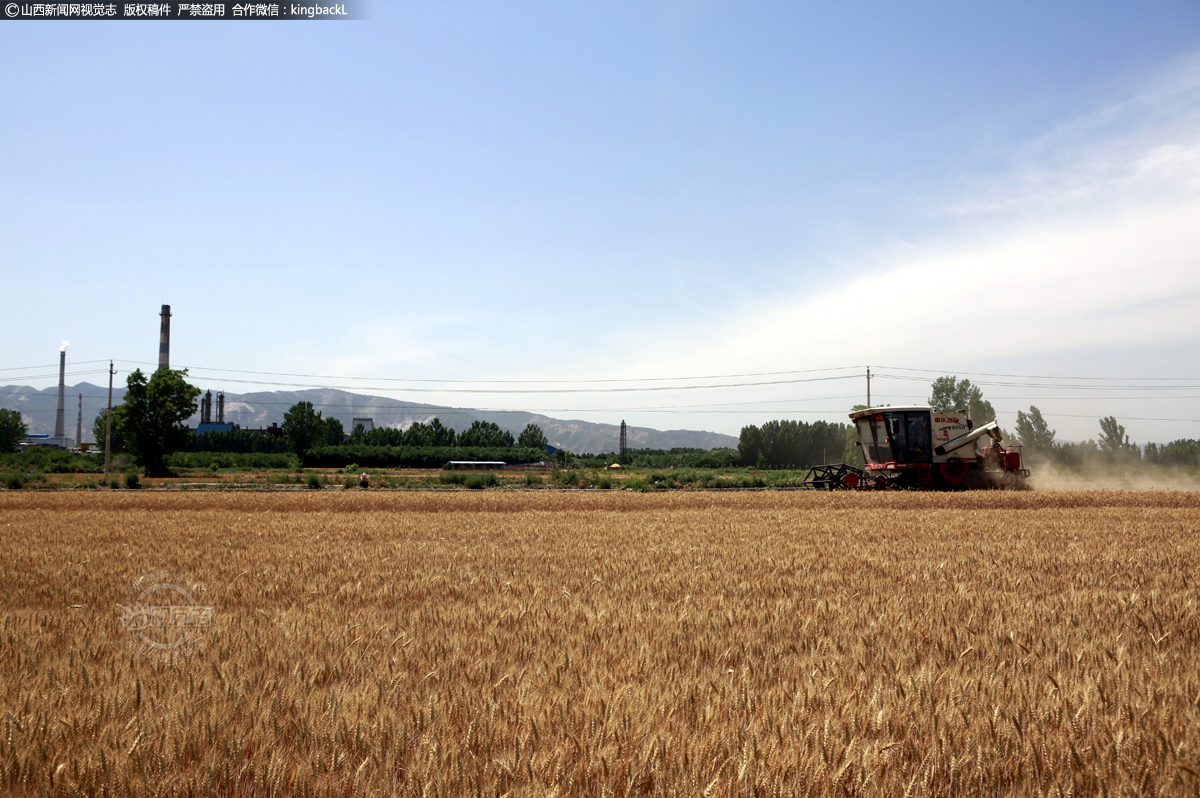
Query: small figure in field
pixel 364 482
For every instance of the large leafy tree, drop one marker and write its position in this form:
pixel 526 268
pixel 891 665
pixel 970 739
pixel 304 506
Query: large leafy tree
pixel 532 437
pixel 440 435
pixel 1114 443
pixel 303 427
pixel 750 446
pixel 335 433
pixel 951 394
pixel 12 430
pixel 1033 432
pixel 485 434
pixel 99 429
pixel 431 434
pixel 150 420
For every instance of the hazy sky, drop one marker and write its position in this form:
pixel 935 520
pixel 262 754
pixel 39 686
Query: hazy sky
pixel 467 190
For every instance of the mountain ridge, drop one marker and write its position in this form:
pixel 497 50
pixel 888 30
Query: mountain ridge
pixel 260 409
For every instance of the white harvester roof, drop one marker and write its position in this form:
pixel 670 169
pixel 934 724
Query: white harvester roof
pixel 870 411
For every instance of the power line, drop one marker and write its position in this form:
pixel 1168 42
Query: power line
pixel 712 386
pixel 55 374
pixel 652 379
pixel 1123 418
pixel 1068 387
pixel 512 382
pixel 1039 377
pixel 53 366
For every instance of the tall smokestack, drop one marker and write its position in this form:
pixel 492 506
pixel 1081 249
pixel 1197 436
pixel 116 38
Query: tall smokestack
pixel 164 339
pixel 60 430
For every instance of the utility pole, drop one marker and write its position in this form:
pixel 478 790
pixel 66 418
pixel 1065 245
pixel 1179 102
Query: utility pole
pixel 108 422
pixel 868 386
pixel 79 425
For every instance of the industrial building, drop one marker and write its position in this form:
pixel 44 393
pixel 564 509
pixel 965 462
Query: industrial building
pixel 206 415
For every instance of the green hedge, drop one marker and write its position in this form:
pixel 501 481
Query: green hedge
pixel 412 456
pixel 257 460
pixel 238 441
pixel 52 461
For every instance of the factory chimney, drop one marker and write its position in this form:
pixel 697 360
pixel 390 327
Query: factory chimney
pixel 164 339
pixel 59 425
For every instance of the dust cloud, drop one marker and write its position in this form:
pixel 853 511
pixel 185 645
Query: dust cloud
pixel 1047 476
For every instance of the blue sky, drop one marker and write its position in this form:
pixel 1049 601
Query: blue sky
pixel 463 190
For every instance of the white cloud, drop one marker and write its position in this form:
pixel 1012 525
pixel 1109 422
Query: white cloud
pixel 1089 243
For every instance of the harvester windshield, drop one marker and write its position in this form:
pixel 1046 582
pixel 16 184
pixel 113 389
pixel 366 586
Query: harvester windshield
pixel 895 437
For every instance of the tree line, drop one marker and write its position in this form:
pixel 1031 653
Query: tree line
pixel 150 426
pixel 481 434
pixel 1038 442
pixel 792 444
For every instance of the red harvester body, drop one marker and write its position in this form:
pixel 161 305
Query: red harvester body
pixel 919 448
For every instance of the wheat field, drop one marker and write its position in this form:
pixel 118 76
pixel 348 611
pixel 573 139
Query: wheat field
pixel 572 643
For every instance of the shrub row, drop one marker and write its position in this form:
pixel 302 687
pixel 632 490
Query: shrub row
pixel 255 460
pixel 52 461
pixel 412 456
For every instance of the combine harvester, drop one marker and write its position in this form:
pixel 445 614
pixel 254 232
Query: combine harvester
pixel 918 448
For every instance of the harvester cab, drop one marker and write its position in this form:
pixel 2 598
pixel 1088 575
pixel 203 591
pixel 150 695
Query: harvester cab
pixel 919 448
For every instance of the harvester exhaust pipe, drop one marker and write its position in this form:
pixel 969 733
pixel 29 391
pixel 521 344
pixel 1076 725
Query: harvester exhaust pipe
pixel 990 428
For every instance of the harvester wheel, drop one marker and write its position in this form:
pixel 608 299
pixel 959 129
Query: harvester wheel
pixel 850 482
pixel 953 470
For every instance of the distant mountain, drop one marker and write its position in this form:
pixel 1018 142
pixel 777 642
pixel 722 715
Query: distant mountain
pixel 256 410
pixel 38 406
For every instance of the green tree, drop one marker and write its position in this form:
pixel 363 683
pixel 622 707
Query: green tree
pixel 1182 452
pixel 431 434
pixel 150 420
pixel 532 437
pixel 12 430
pixel 303 428
pixel 1114 443
pixel 791 444
pixel 485 434
pixel 951 394
pixel 335 434
pixel 1033 432
pixel 750 446
pixel 99 428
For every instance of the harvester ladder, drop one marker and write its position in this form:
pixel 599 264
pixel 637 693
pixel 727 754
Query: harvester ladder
pixel 924 476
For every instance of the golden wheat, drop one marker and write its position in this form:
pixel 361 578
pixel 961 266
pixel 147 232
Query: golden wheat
pixel 608 645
